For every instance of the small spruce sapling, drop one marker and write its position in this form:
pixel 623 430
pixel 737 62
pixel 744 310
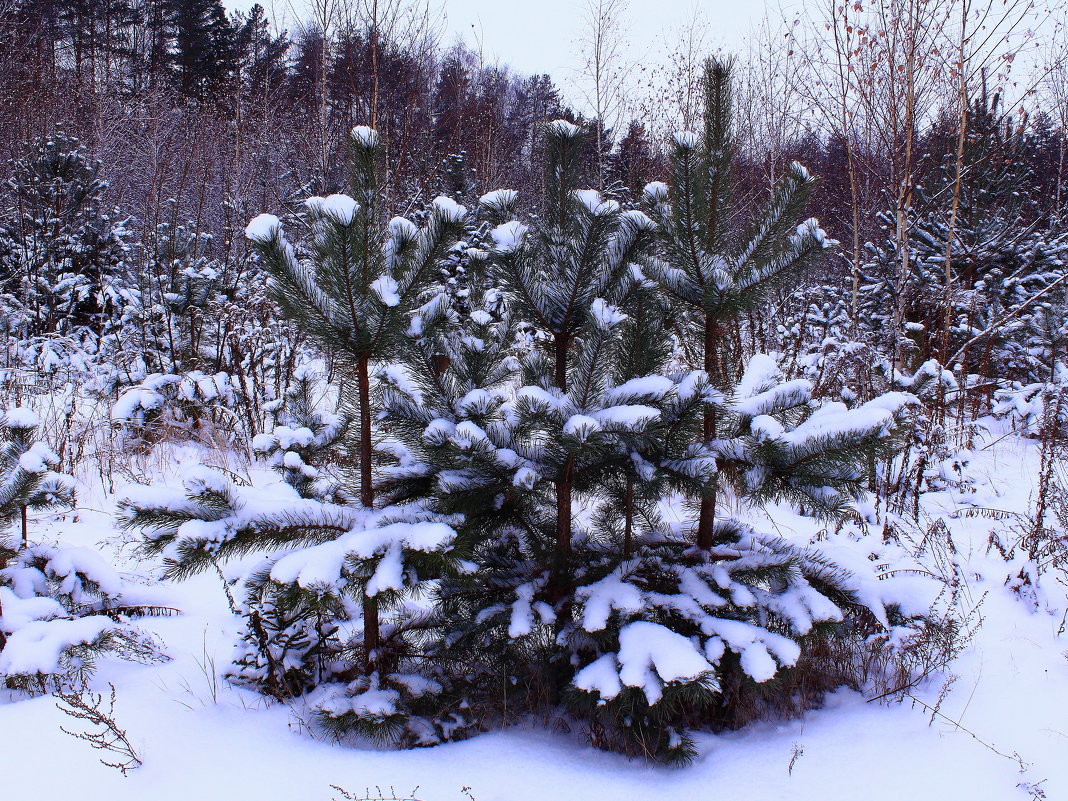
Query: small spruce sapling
pixel 307 438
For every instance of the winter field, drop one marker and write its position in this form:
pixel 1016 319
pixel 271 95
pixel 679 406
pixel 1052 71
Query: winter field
pixel 379 423
pixel 998 732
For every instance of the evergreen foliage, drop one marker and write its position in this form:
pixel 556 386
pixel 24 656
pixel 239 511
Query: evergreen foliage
pixel 503 551
pixel 54 601
pixel 62 251
pixel 27 466
pixel 1007 262
pixel 357 288
pixel 712 274
pixel 306 437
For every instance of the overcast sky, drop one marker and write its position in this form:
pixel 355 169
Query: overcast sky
pixel 539 36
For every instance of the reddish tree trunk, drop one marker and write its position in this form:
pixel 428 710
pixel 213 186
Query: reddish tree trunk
pixel 367 498
pixel 707 519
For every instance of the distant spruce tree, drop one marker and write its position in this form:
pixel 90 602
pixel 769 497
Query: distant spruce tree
pixel 62 251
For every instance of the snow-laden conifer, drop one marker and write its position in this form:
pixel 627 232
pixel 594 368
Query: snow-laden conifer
pixel 712 273
pixel 353 287
pixel 59 605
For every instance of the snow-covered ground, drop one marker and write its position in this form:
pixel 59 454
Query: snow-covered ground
pixel 1001 729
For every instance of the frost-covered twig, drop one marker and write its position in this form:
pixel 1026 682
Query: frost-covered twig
pixel 89 706
pixel 377 795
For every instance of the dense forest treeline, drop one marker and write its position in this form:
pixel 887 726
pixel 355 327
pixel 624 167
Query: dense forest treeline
pixel 180 121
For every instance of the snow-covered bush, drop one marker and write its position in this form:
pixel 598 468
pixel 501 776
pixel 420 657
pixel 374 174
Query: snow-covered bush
pixel 167 404
pixel 61 610
pixel 1034 410
pixel 51 598
pixel 306 436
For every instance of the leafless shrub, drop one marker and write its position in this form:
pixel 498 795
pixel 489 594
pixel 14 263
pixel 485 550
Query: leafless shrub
pixel 83 704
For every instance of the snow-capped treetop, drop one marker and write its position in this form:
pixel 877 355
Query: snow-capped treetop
pixel 365 136
pixel 341 207
pixel 403 228
pixel 686 139
pixel 563 128
pixel 656 191
pixel 263 228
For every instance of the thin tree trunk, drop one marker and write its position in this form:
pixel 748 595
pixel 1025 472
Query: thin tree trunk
pixel 374 65
pixel 707 519
pixel 3 637
pixel 367 498
pixel 557 589
pixel 962 129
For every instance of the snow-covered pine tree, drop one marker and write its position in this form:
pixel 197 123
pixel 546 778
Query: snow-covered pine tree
pixel 63 249
pixel 676 637
pixel 566 276
pixel 290 643
pixel 591 422
pixel 355 287
pixel 679 637
pixel 711 274
pixel 168 314
pixel 51 598
pixel 356 290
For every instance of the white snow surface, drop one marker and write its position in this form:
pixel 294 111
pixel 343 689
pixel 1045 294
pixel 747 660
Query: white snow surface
pixel 202 738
